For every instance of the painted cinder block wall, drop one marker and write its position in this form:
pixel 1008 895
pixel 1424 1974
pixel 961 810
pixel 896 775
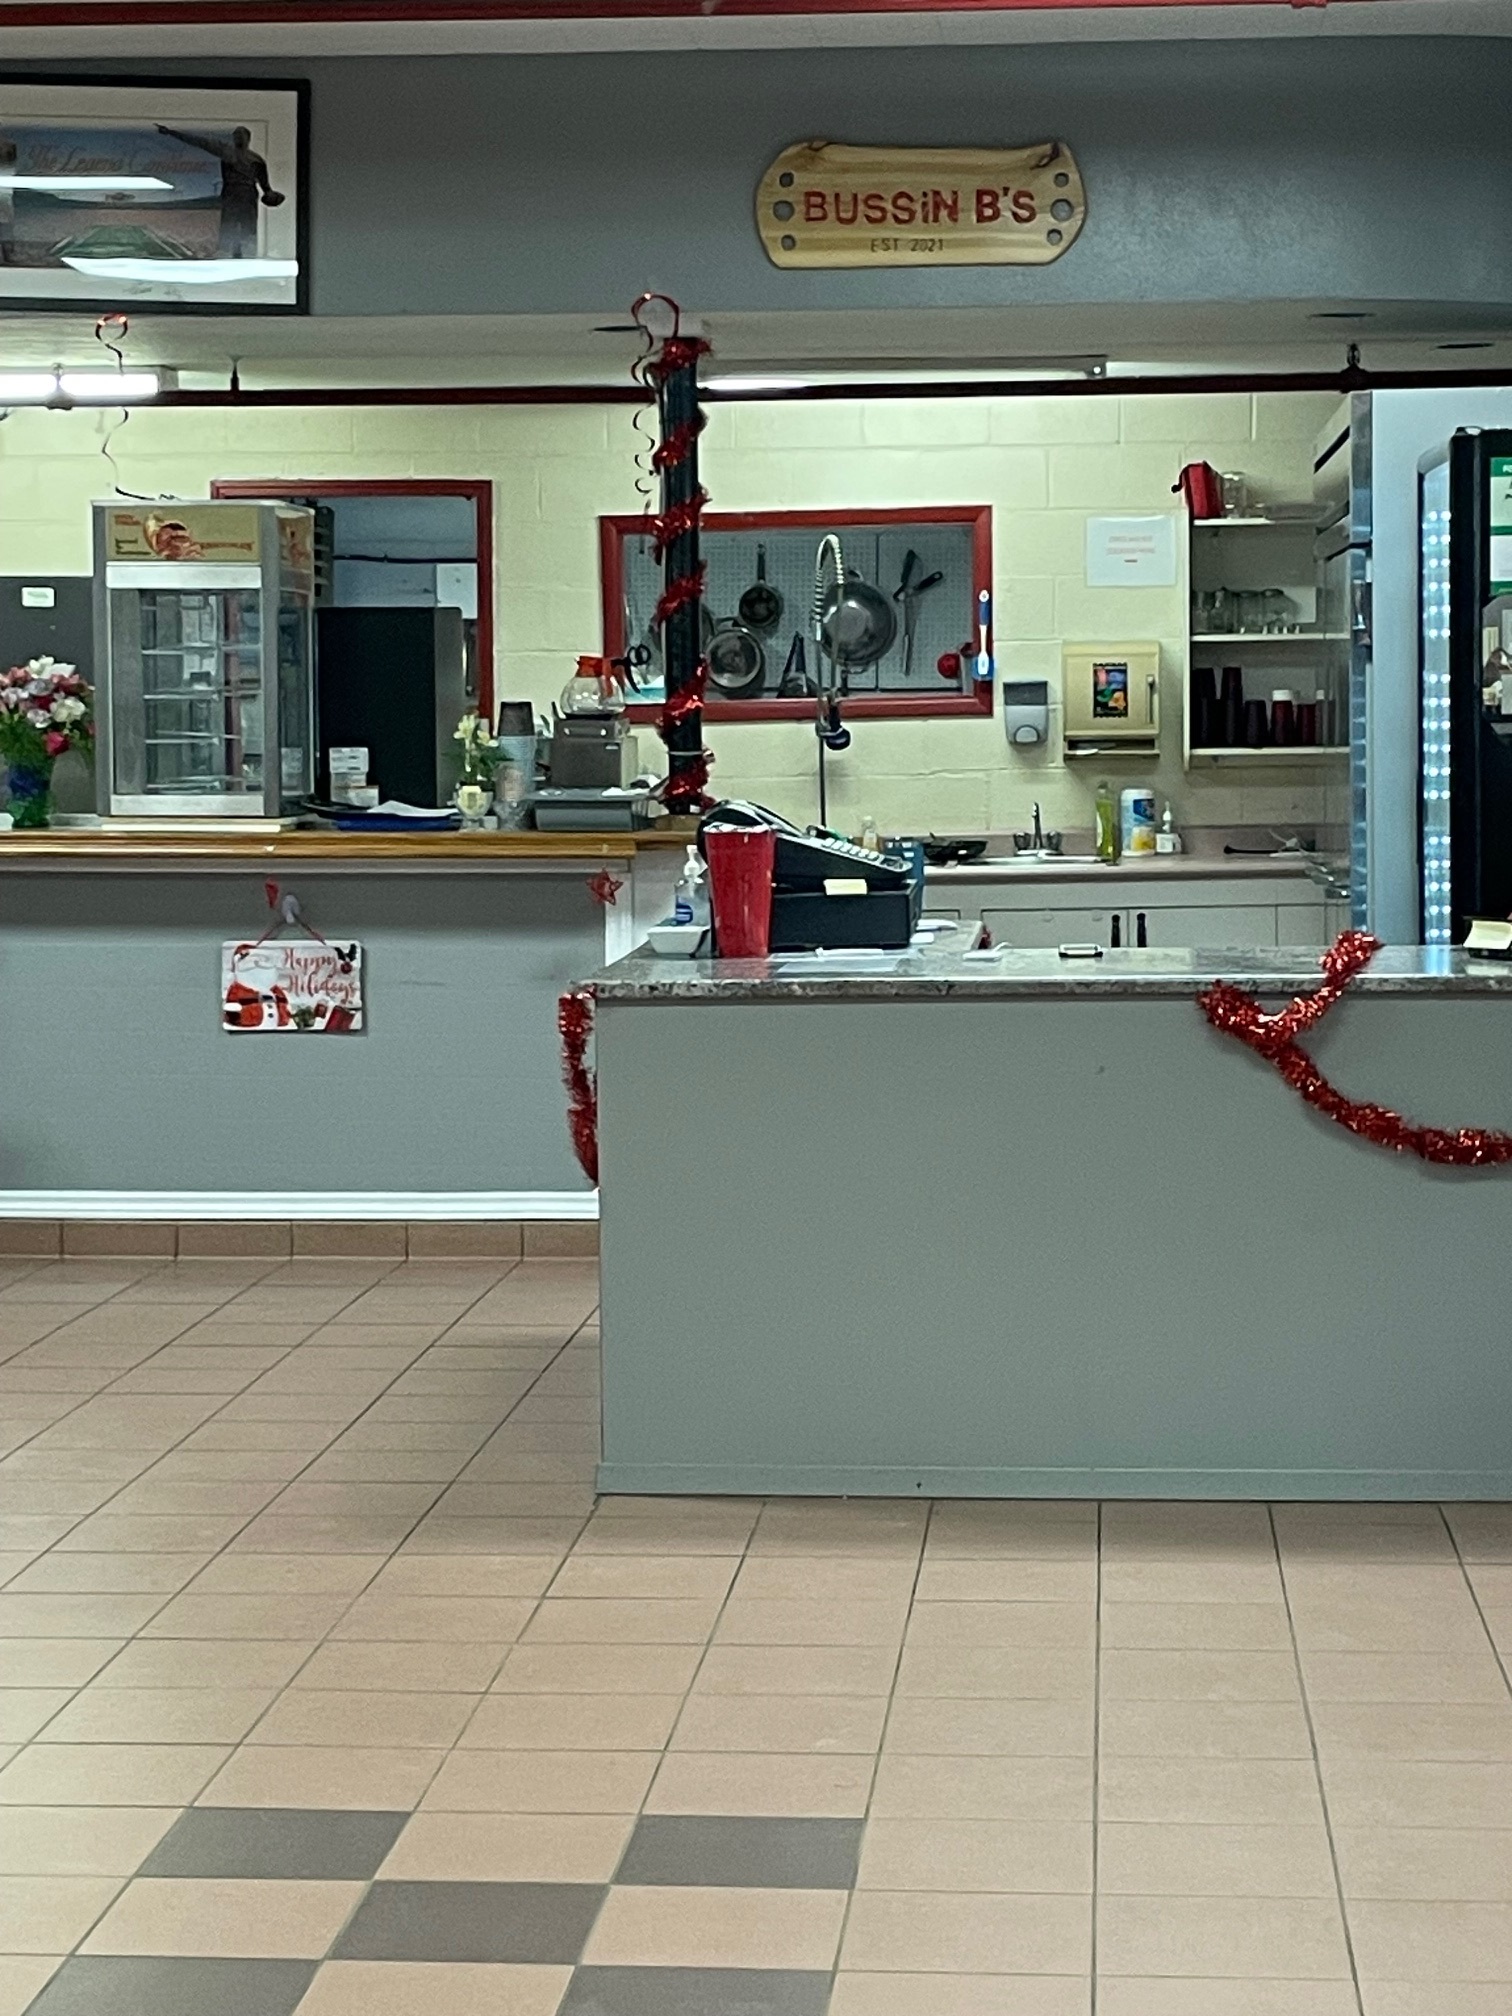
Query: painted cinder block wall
pixel 1043 464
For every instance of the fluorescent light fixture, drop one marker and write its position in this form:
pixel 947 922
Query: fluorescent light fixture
pixel 83 183
pixel 186 272
pixel 756 384
pixel 110 388
pixel 27 388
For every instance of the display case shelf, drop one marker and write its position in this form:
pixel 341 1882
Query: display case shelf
pixel 1291 752
pixel 1269 637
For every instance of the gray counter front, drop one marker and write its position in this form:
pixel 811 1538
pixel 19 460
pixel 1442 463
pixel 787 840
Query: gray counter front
pixel 1023 1227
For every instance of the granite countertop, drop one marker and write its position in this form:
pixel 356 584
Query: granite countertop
pixel 948 973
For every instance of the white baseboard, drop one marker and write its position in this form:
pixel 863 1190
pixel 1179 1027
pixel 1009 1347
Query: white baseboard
pixel 351 1206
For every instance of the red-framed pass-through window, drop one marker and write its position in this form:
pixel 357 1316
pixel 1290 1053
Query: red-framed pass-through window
pixel 923 571
pixel 478 491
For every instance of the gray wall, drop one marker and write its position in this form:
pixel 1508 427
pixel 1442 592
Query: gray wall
pixel 121 1078
pixel 1294 170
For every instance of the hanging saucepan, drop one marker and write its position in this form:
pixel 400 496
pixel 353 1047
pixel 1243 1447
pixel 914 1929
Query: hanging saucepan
pixel 737 663
pixel 761 604
pixel 860 623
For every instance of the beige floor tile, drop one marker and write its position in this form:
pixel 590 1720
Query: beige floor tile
pixel 917 1932
pixel 1197 1791
pixel 1367 1623
pixel 1459 1732
pixel 22 1979
pixel 598 1669
pixel 1017 1626
pixel 797 1669
pixel 1161 1995
pixel 25 1710
pixel 608 1620
pixel 640 1576
pixel 676 1926
pixel 970 1855
pixel 50 1914
pixel 54 1662
pixel 109 1574
pixel 977 1580
pixel 542 1781
pixel 840 1526
pixel 161 1715
pixel 1311 1581
pixel 1054 1790
pixel 816 1724
pixel 400 1988
pixel 464 1575
pixel 1281 1937
pixel 509 1848
pixel 1481 1532
pixel 1376 1792
pixel 931 1726
pixel 572 1722
pixel 422 1721
pixel 220 1919
pixel 1199 1676
pixel 1188 1581
pixel 765 1783
pixel 1404 1676
pixel 264 1617
pixel 305 1499
pixel 403 1668
pixel 1196 1627
pixel 1433 1942
pixel 204 1662
pixel 291 1574
pixel 1424 1864
pixel 474 1620
pixel 75 1616
pixel 986 1672
pixel 1009 1529
pixel 549 1536
pixel 105 1774
pixel 80 1840
pixel 304 1775
pixel 829 1578
pixel 1149 1858
pixel 1203 1729
pixel 362 1533
pixel 1208 1526
pixel 857 1994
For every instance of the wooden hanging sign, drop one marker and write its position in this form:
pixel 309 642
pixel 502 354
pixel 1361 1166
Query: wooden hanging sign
pixel 820 204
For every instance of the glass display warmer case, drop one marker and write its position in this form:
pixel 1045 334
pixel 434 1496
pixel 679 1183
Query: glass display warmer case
pixel 204 657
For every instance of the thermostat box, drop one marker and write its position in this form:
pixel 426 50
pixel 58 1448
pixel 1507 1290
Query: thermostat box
pixel 1110 697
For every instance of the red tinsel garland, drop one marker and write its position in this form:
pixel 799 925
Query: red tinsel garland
pixel 604 888
pixel 1236 1012
pixel 575 1022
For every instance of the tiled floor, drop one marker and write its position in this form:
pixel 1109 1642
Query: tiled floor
pixel 325 1685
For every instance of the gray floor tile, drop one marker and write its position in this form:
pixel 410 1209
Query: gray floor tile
pixel 272 1841
pixel 520 1924
pixel 760 1853
pixel 122 1987
pixel 696 1991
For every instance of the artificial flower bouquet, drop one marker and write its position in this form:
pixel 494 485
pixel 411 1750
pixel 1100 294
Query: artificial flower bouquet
pixel 46 709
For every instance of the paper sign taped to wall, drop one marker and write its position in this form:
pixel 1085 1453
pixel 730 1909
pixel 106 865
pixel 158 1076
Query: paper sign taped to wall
pixel 1132 552
pixel 298 988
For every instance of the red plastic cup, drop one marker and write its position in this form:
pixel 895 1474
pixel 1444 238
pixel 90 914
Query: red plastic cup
pixel 740 888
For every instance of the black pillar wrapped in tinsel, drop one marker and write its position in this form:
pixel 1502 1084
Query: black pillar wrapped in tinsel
pixel 669 370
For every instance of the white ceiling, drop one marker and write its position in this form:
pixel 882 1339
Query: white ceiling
pixel 548 349
pixel 716 30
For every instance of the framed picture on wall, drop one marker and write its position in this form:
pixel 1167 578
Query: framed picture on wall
pixel 172 196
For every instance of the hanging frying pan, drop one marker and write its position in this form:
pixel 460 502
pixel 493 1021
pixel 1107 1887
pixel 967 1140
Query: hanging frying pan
pixel 761 605
pixel 860 623
pixel 737 663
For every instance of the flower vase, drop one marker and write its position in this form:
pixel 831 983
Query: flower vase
pixel 30 794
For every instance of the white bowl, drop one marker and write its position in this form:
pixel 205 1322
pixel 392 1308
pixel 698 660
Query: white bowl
pixel 676 941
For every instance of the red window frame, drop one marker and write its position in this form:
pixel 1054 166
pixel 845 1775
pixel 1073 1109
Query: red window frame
pixel 481 492
pixel 614 530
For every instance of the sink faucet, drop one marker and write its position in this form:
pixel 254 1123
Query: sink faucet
pixel 1039 831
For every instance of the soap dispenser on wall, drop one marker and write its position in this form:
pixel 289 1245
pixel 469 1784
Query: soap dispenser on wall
pixel 1026 712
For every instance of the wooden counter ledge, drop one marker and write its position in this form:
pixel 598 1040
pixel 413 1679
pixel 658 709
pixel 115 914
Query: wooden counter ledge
pixel 86 844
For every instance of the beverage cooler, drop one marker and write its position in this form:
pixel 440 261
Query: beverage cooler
pixel 1465 683
pixel 204 659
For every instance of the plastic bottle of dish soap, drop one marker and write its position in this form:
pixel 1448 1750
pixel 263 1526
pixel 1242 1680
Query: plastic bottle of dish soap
pixel 1106 845
pixel 690 905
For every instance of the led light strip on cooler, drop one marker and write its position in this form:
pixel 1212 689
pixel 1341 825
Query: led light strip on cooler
pixel 1436 733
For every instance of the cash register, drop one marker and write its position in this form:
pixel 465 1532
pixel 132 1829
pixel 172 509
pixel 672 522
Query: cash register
pixel 827 891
